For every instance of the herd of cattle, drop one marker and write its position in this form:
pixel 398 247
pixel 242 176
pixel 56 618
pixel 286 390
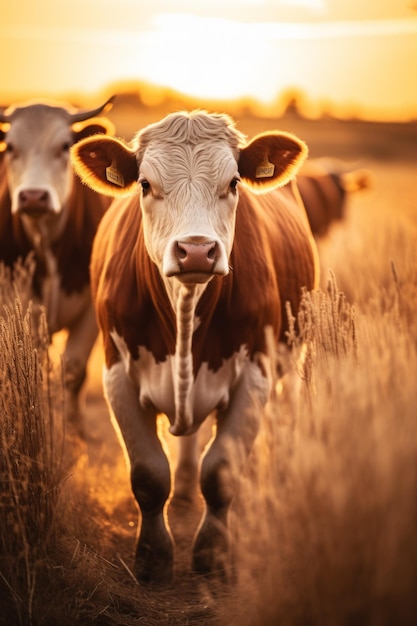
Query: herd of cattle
pixel 182 247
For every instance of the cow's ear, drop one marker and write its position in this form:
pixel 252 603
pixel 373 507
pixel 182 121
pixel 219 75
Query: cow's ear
pixel 3 132
pixel 106 164
pixel 92 126
pixel 271 160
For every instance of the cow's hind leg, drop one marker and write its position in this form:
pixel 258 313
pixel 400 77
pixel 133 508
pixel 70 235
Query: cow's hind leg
pixel 190 449
pixel 221 470
pixel 150 476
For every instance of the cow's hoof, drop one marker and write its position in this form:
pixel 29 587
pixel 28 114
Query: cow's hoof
pixel 211 554
pixel 212 563
pixel 154 566
pixel 212 566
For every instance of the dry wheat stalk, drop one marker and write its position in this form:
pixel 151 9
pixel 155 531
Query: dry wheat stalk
pixel 29 463
pixel 325 325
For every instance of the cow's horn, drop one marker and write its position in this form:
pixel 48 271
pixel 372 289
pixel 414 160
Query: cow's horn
pixel 80 116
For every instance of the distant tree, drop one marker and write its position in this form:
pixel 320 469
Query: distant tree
pixel 293 102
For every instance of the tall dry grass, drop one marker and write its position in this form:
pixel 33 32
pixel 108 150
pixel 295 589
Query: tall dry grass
pixel 327 518
pixel 330 508
pixel 29 454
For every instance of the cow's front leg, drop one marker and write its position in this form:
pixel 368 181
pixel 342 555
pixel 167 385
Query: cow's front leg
pixel 222 467
pixel 150 476
pixel 82 335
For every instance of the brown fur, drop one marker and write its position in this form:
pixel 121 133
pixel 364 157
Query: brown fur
pixel 271 260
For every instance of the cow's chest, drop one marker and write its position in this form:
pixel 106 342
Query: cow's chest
pixel 71 307
pixel 63 308
pixel 156 382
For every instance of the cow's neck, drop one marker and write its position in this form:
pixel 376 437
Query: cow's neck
pixel 42 236
pixel 185 302
pixel 47 230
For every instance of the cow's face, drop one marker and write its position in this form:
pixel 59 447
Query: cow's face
pixel 188 199
pixel 37 161
pixel 188 167
pixel 36 139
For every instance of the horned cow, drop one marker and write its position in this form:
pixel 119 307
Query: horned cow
pixel 46 210
pixel 191 269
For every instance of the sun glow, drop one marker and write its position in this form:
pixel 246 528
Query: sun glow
pixel 224 59
pixel 215 50
pixel 208 59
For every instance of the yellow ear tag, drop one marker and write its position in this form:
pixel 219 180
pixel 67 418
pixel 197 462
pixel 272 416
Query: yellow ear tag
pixel 265 169
pixel 114 176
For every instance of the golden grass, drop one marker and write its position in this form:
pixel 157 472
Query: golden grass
pixel 29 461
pixel 328 534
pixel 327 517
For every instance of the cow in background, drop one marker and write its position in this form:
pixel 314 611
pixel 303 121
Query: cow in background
pixel 324 187
pixel 190 276
pixel 45 210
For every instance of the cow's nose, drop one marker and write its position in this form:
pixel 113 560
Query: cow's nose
pixel 196 257
pixel 34 201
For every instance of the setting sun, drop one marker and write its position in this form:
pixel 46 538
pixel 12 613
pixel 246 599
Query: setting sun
pixel 361 59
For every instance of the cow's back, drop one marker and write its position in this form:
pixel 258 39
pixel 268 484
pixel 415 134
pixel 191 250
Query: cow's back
pixel 323 195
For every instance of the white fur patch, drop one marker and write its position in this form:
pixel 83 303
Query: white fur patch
pixel 155 382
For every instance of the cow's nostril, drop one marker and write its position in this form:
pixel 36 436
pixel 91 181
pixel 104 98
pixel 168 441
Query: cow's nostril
pixel 181 252
pixel 34 201
pixel 196 257
pixel 212 252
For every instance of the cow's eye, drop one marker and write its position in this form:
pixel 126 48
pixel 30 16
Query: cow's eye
pixel 234 182
pixel 62 149
pixel 9 148
pixel 145 185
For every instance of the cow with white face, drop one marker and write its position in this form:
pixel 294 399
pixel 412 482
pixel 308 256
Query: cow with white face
pixel 190 276
pixel 46 211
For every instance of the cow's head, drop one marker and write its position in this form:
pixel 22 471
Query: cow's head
pixel 186 169
pixel 36 139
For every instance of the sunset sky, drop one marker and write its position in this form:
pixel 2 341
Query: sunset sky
pixel 359 55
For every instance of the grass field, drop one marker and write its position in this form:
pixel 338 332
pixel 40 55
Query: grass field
pixel 324 526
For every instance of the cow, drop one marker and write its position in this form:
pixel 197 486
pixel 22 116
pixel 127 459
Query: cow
pixel 324 187
pixel 191 269
pixel 47 212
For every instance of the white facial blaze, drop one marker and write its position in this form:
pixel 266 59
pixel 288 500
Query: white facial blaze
pixel 189 200
pixel 38 158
